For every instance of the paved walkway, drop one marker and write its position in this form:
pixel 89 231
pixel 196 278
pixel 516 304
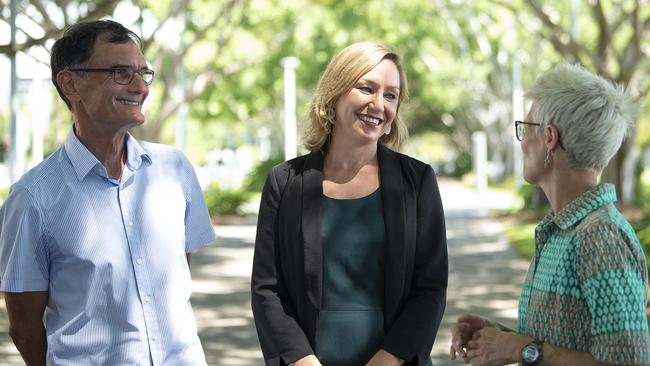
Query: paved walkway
pixel 485 277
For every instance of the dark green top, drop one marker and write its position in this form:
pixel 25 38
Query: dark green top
pixel 351 322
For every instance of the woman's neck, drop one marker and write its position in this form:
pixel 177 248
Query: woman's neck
pixel 350 158
pixel 565 185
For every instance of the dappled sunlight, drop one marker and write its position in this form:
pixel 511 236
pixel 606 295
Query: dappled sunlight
pixel 485 274
pixel 221 298
pixel 485 278
pixel 478 248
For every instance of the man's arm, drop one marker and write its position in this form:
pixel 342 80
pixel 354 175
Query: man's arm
pixel 26 328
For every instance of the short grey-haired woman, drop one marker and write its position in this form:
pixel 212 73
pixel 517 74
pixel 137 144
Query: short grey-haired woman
pixel 583 301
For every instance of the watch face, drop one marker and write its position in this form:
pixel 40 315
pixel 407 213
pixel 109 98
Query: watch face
pixel 530 353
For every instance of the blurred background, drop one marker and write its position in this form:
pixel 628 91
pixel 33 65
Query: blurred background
pixel 234 79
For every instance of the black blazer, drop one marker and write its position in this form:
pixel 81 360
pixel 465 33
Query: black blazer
pixel 287 265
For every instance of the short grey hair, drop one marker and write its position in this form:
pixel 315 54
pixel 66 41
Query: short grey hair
pixel 592 115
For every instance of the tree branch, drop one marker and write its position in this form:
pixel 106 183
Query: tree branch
pixel 47 22
pixel 632 53
pixel 103 8
pixel 601 60
pixel 570 48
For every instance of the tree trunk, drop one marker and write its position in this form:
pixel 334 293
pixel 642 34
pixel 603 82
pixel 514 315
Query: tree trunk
pixel 613 172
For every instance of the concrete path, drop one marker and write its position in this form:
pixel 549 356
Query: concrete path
pixel 485 277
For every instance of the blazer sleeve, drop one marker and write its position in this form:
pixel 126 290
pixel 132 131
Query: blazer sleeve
pixel 281 338
pixel 411 336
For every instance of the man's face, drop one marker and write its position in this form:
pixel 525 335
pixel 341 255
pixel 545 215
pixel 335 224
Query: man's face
pixel 105 103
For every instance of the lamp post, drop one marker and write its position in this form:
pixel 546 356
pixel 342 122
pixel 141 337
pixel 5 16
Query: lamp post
pixel 290 130
pixel 14 172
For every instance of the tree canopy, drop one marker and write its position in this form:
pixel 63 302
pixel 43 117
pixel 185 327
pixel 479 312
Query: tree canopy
pixel 220 59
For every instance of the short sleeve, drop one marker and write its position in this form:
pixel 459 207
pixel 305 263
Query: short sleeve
pixel 24 263
pixel 613 278
pixel 198 226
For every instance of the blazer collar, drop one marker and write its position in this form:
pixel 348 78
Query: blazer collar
pixel 393 191
pixel 312 217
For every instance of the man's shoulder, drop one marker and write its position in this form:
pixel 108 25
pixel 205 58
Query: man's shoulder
pixel 41 176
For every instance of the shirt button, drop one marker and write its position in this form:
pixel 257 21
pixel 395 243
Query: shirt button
pixel 153 339
pixel 139 261
pixel 130 223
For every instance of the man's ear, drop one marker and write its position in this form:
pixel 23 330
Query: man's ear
pixel 68 85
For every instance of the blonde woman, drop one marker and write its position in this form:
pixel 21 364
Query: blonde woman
pixel 350 263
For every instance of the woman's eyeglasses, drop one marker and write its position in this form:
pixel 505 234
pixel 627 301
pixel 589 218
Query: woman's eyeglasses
pixel 520 128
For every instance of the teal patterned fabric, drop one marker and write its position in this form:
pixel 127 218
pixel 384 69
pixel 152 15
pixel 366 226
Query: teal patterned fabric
pixel 586 286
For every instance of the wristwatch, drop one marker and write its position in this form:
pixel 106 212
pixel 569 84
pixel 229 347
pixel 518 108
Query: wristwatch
pixel 532 353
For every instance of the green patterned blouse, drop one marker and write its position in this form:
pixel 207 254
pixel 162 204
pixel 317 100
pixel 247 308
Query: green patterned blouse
pixel 586 286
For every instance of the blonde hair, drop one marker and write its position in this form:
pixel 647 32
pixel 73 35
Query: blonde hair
pixel 343 71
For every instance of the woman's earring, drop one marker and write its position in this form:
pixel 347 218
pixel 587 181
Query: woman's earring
pixel 547 159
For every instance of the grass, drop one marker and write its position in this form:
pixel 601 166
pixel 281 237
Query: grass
pixel 521 236
pixel 642 229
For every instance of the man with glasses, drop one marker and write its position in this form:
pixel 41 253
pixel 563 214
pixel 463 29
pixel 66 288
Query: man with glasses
pixel 95 241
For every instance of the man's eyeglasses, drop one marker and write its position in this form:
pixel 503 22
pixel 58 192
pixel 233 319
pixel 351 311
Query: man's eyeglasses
pixel 124 75
pixel 520 128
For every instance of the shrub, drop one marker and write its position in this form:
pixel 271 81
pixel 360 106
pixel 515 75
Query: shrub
pixel 254 181
pixel 643 233
pixel 223 201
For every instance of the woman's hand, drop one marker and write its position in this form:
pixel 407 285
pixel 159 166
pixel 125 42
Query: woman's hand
pixel 461 333
pixel 491 347
pixel 383 358
pixel 310 360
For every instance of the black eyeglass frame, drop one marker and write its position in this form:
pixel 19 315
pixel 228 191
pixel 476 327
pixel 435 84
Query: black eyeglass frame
pixel 523 132
pixel 114 70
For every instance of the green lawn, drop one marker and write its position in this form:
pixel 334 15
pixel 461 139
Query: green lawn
pixel 521 236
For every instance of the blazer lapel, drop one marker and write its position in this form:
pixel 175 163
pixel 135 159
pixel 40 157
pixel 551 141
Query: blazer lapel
pixel 392 197
pixel 312 216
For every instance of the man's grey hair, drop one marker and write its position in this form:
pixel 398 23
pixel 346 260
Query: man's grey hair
pixel 591 114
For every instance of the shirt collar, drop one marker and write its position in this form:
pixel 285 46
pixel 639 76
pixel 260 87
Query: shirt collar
pixel 580 207
pixel 83 161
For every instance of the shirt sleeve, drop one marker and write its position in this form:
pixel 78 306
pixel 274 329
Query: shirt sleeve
pixel 24 263
pixel 198 226
pixel 613 278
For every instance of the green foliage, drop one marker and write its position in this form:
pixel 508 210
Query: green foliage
pixel 642 229
pixel 526 192
pixel 224 201
pixel 4 133
pixel 533 198
pixel 4 192
pixel 522 237
pixel 254 182
pixel 462 164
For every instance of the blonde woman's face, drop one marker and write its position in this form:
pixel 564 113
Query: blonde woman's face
pixel 368 110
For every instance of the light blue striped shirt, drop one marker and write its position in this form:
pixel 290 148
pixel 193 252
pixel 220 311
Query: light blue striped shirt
pixel 110 254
